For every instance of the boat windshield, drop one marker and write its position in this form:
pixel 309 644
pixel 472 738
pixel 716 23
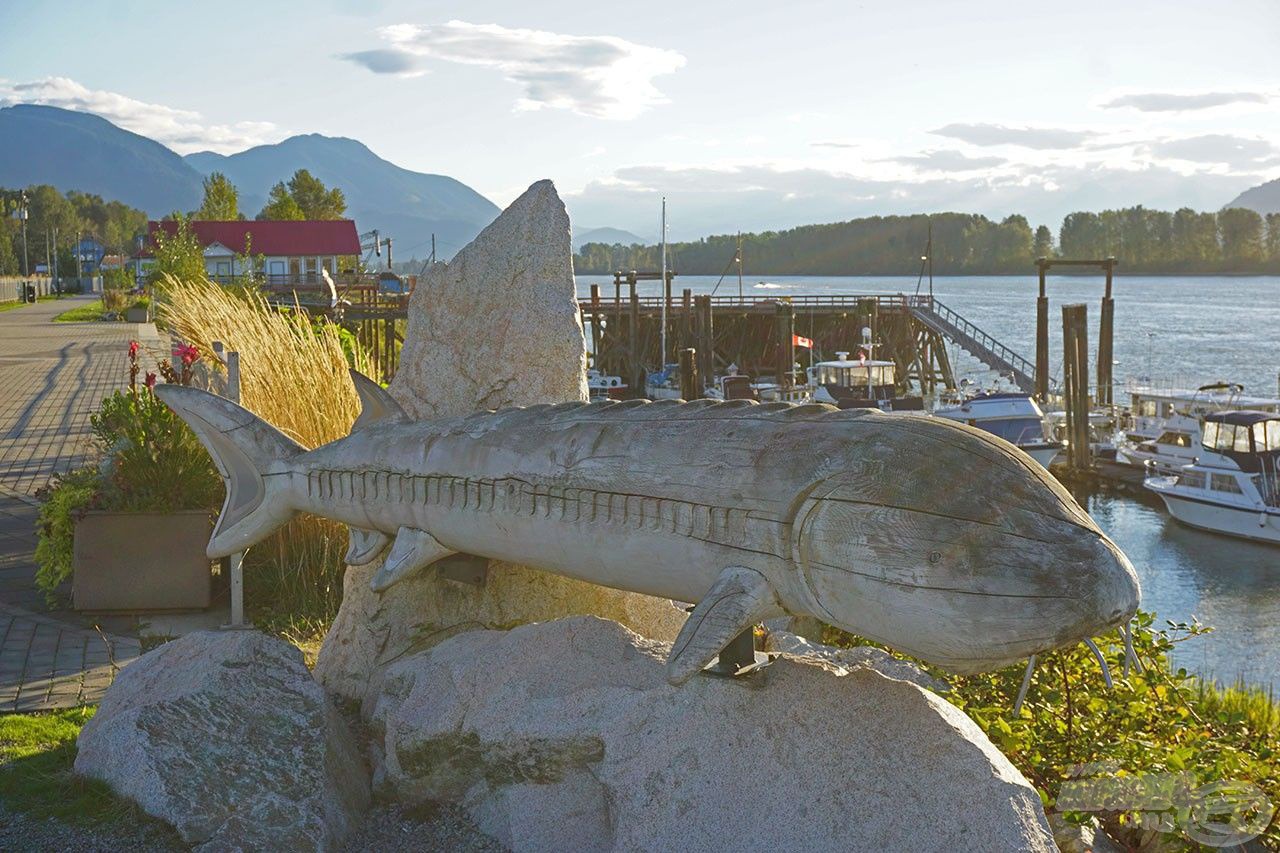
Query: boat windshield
pixel 855 375
pixel 1015 430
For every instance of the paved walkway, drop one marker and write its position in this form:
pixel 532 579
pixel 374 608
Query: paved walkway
pixel 52 376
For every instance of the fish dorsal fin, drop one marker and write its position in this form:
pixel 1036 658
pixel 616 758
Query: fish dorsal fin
pixel 412 551
pixel 376 405
pixel 365 546
pixel 738 599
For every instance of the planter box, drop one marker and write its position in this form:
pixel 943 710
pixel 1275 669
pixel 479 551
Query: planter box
pixel 137 315
pixel 141 561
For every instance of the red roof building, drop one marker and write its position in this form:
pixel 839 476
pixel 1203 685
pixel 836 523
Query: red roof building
pixel 290 252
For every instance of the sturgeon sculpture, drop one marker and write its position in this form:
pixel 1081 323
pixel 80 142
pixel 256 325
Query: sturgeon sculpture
pixel 930 536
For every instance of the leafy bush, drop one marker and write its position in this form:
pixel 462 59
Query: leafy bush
pixel 142 302
pixel 1159 723
pixel 65 501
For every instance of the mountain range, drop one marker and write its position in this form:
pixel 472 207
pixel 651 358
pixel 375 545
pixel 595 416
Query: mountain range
pixel 1264 198
pixel 78 151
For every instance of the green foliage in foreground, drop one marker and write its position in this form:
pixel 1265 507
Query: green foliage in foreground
pixel 37 753
pixel 1160 724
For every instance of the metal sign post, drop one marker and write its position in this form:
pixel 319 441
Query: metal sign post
pixel 235 563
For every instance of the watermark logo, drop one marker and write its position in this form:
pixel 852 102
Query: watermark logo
pixel 1215 814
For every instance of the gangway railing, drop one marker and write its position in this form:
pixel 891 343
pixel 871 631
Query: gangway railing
pixel 983 346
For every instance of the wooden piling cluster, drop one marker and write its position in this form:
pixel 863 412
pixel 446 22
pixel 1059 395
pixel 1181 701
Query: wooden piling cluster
pixel 757 334
pixel 1075 362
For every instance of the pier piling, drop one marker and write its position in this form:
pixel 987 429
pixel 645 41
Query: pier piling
pixel 690 386
pixel 1075 360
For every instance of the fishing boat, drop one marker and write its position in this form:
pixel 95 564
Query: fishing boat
pixel 1165 431
pixel 863 384
pixel 1015 417
pixel 1233 487
pixel 601 386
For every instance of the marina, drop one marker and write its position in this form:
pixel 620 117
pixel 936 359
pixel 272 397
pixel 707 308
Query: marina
pixel 1187 573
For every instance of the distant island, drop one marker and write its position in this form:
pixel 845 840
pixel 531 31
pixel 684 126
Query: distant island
pixel 1154 242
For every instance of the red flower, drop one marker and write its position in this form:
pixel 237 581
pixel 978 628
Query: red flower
pixel 188 354
pixel 133 349
pixel 150 380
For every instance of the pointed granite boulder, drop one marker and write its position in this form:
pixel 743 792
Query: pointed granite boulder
pixel 497 326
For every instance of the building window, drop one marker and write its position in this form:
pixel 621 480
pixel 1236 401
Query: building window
pixel 311 270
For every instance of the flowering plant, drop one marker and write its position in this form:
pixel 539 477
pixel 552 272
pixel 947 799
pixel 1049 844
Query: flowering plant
pixel 151 462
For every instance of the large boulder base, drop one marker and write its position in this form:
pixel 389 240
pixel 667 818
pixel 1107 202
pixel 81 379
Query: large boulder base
pixel 226 736
pixel 565 735
pixel 497 326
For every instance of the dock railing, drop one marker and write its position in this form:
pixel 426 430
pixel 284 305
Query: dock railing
pixel 982 345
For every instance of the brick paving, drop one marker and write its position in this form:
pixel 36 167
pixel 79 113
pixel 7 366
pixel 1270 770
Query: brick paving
pixel 52 376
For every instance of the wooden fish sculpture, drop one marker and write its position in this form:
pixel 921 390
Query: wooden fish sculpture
pixel 932 537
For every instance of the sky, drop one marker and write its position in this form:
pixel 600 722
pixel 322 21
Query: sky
pixel 744 115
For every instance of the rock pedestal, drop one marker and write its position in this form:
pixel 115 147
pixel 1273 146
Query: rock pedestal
pixel 497 326
pixel 565 735
pixel 226 736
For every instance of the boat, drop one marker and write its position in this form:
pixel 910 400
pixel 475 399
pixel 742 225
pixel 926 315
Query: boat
pixel 862 384
pixel 1233 487
pixel 1015 417
pixel 1165 431
pixel 601 386
pixel 1104 431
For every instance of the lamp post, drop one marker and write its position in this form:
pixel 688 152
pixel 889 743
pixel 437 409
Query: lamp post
pixel 22 216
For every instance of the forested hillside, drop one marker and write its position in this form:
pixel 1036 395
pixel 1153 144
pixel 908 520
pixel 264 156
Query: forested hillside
pixel 1144 241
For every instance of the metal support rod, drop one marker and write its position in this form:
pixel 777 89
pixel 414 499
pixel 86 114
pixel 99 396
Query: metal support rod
pixel 236 561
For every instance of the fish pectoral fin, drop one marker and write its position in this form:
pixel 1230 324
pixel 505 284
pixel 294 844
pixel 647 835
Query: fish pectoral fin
pixel 365 545
pixel 412 551
pixel 738 599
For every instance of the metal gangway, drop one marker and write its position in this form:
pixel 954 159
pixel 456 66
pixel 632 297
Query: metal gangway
pixel 975 341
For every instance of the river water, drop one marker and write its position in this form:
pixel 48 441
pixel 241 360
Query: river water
pixel 1184 331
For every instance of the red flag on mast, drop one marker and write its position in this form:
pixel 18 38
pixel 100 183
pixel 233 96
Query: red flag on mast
pixel 798 341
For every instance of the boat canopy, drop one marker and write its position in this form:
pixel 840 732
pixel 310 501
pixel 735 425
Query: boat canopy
pixel 1243 436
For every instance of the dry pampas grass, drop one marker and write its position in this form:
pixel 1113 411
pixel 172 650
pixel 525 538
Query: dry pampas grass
pixel 293 374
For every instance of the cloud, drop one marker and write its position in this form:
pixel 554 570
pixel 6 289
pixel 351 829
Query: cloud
pixel 704 200
pixel 1238 152
pixel 946 160
pixel 598 76
pixel 182 130
pixel 1041 138
pixel 834 143
pixel 1160 102
pixel 387 61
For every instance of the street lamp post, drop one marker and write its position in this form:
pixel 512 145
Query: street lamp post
pixel 22 216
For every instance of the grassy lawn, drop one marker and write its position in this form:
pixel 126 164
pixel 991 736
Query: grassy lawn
pixel 9 306
pixel 82 313
pixel 37 752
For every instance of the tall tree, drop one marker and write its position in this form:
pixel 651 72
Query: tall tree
pixel 1241 232
pixel 1043 245
pixel 316 200
pixel 221 200
pixel 1273 237
pixel 281 205
pixel 304 197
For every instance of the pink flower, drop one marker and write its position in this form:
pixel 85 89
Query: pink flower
pixel 150 380
pixel 133 349
pixel 189 354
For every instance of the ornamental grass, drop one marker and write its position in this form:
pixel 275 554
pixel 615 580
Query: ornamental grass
pixel 293 374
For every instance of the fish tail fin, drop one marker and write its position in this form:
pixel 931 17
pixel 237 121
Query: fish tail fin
pixel 244 448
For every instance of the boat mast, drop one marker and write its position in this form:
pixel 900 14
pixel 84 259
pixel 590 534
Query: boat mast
pixel 666 288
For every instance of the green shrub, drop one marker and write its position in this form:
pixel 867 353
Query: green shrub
pixel 64 502
pixel 142 302
pixel 1159 723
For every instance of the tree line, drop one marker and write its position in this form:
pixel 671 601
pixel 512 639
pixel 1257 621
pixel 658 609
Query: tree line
pixel 1185 241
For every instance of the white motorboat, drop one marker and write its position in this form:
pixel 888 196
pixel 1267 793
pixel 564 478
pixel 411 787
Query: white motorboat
pixel 1233 487
pixel 1165 432
pixel 1016 418
pixel 601 386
